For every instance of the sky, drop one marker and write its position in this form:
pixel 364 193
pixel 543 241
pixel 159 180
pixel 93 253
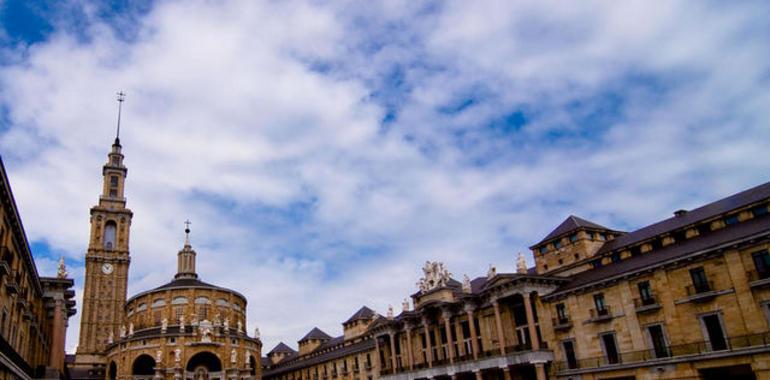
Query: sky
pixel 324 150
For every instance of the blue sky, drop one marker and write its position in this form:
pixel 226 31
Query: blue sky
pixel 324 150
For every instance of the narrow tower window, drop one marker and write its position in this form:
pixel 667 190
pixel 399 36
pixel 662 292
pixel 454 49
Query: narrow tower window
pixel 110 230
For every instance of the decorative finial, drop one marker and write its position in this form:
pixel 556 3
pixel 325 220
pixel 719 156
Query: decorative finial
pixel 521 264
pixel 187 224
pixel 62 272
pixel 405 305
pixel 390 312
pixel 121 99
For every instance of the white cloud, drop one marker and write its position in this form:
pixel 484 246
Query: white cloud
pixel 262 123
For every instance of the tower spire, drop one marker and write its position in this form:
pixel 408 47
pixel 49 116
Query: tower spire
pixel 121 99
pixel 186 257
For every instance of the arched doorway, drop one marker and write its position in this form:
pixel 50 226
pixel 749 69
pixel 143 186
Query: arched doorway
pixel 143 367
pixel 253 365
pixel 204 366
pixel 112 372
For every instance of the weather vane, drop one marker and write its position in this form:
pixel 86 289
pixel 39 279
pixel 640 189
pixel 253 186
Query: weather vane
pixel 121 99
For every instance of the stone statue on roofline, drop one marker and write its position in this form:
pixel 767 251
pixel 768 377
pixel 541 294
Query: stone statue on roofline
pixel 492 272
pixel 435 275
pixel 466 284
pixel 521 264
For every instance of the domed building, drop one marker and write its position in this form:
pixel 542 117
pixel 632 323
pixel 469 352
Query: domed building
pixel 185 329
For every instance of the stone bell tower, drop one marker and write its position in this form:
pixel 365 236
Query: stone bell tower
pixel 107 260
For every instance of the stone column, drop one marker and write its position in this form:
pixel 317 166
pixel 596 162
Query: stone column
pixel 393 351
pixel 540 371
pixel 506 373
pixel 474 335
pixel 450 342
pixel 499 324
pixel 57 338
pixel 531 323
pixel 377 364
pixel 460 337
pixel 428 348
pixel 409 356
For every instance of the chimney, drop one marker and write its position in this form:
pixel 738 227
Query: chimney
pixel 679 213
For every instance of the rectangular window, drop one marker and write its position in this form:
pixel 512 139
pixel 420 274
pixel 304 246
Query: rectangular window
pixel 543 249
pixel 615 257
pixel 114 180
pixel 715 335
pixel 645 293
pixel 569 354
pixel 113 192
pixel 762 263
pixel 732 219
pixel 573 238
pixel 610 348
pixel 561 313
pixel 658 340
pixel 203 312
pixel 557 244
pixel 601 307
pixel 700 282
pixel 759 211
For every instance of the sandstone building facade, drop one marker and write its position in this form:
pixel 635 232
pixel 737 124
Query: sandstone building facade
pixel 684 298
pixel 34 310
pixel 184 329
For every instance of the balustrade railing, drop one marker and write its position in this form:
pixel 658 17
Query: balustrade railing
pixel 663 352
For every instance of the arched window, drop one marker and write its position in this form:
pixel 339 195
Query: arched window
pixel 110 231
pixel 113 372
pixel 179 301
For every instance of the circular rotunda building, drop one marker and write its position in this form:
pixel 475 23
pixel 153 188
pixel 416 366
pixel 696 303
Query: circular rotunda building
pixel 185 329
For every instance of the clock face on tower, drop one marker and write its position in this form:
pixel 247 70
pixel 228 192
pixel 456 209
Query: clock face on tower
pixel 107 268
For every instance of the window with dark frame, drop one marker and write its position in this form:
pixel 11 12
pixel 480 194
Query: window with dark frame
pixel 699 280
pixel 645 293
pixel 569 354
pixel 762 263
pixel 658 341
pixel 601 307
pixel 561 313
pixel 610 348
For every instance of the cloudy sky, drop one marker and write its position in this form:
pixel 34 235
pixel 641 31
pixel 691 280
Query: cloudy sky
pixel 325 150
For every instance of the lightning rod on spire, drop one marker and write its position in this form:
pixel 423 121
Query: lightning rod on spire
pixel 121 99
pixel 187 224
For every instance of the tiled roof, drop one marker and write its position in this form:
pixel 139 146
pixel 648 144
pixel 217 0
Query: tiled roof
pixel 364 313
pixel 316 334
pixel 336 350
pixel 570 224
pixel 186 283
pixel 281 348
pixel 713 240
pixel 742 199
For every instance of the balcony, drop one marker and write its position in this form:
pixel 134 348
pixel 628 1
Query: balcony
pixel 12 287
pixel 758 279
pixel 4 268
pixel 701 293
pixel 648 304
pixel 601 315
pixel 561 323
pixel 660 355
